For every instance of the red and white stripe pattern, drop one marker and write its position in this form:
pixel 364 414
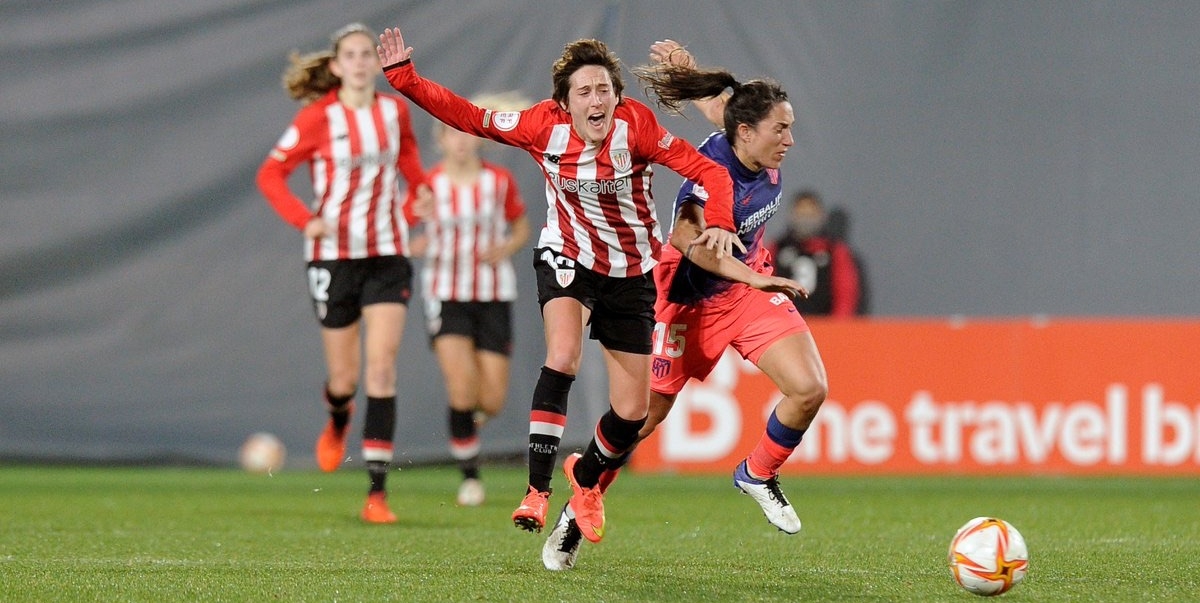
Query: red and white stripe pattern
pixel 357 158
pixel 600 211
pixel 467 220
pixel 355 180
pixel 462 449
pixel 377 450
pixel 546 423
pixel 603 445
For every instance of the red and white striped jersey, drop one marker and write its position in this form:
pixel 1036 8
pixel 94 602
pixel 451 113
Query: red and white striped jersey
pixel 600 211
pixel 356 158
pixel 467 220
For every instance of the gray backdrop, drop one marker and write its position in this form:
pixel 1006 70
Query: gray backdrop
pixel 997 158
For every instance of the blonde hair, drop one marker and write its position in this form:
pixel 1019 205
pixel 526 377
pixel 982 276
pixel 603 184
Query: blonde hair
pixel 307 76
pixel 511 100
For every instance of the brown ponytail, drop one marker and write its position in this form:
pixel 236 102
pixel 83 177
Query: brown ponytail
pixel 674 85
pixel 307 76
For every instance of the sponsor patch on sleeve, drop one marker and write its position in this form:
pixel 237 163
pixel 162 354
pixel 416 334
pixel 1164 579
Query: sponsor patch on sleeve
pixel 505 120
pixel 666 140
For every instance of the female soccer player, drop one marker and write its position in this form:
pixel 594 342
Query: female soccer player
pixel 468 282
pixel 707 302
pixel 357 142
pixel 595 254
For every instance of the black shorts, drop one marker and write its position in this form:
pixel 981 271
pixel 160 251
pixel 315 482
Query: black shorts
pixel 340 288
pixel 488 324
pixel 622 308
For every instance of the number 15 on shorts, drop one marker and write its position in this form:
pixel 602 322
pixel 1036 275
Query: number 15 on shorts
pixel 668 339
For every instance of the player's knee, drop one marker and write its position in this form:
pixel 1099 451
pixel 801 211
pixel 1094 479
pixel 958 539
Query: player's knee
pixel 563 353
pixel 342 382
pixel 566 363
pixel 807 394
pixel 816 391
pixel 381 377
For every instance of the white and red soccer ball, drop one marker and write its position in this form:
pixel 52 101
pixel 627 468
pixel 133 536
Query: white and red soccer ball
pixel 988 556
pixel 262 453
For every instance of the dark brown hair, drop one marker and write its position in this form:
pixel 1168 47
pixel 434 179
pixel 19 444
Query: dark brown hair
pixel 674 85
pixel 581 53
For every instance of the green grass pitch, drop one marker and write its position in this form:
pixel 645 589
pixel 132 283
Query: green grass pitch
pixel 183 534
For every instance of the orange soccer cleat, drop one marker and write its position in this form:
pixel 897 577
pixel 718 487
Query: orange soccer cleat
pixel 331 444
pixel 376 510
pixel 531 514
pixel 587 503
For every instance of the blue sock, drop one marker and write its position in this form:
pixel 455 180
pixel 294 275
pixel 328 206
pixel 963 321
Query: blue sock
pixel 782 434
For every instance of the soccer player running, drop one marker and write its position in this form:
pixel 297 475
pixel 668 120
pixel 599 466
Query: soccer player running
pixel 595 254
pixel 707 302
pixel 358 143
pixel 468 282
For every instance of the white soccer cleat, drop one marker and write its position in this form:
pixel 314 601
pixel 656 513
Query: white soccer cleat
pixel 562 546
pixel 470 493
pixel 768 496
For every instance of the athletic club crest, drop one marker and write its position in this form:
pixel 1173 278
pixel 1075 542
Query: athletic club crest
pixel 660 367
pixel 564 268
pixel 621 161
pixel 565 276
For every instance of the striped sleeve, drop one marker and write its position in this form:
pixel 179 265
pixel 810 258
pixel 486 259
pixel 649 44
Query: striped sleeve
pixel 683 158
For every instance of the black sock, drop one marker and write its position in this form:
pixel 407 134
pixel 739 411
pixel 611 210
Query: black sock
pixel 339 408
pixel 377 471
pixel 613 438
pixel 547 420
pixel 464 442
pixel 620 461
pixel 379 429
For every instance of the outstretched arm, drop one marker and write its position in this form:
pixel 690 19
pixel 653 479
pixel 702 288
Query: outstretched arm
pixel 439 101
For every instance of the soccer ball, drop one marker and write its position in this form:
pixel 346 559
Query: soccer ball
pixel 262 453
pixel 988 556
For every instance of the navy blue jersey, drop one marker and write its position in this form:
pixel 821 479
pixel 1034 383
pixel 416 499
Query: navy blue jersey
pixel 756 197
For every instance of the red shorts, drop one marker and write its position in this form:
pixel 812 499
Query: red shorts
pixel 689 339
